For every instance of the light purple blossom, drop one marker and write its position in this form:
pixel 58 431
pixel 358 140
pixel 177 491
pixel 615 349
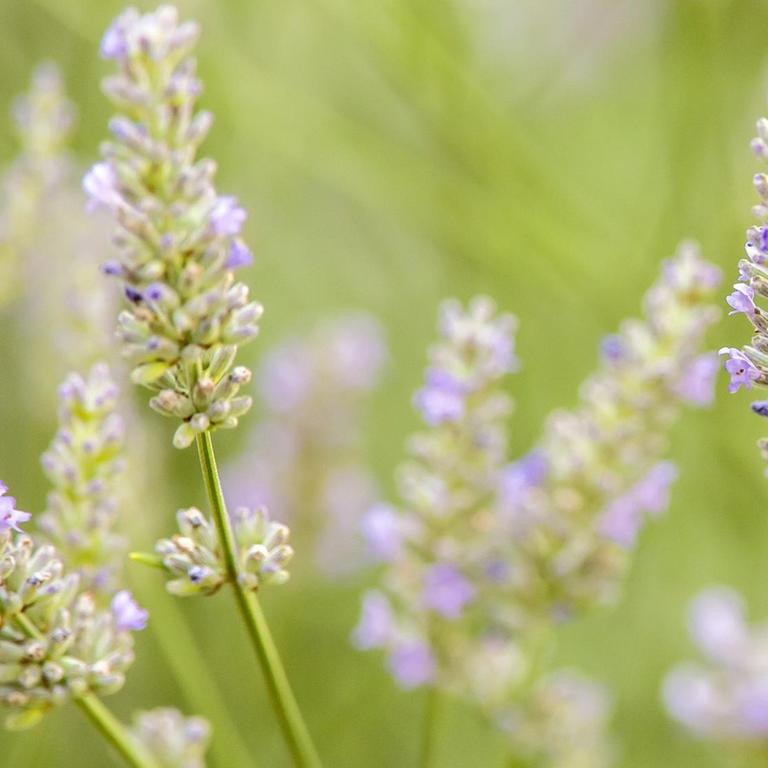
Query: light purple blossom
pixel 376 622
pixel 227 217
pixel 383 532
pixel 612 348
pixel 239 255
pixel 100 184
pixel 10 517
pixel 527 472
pixel 697 383
pixel 742 300
pixel 114 44
pixel 742 370
pixel 441 399
pixel 412 665
pixel 718 624
pixel 127 612
pixel 447 591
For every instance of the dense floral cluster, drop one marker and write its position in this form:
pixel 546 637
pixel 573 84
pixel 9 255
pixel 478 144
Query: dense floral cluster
pixel 55 641
pixel 179 241
pixel 194 559
pixel 84 464
pixel 173 741
pixel 574 505
pixel 304 458
pixel 436 547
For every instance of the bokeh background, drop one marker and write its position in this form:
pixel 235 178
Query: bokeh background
pixel 392 153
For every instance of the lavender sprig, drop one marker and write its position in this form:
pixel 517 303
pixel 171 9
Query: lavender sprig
pixel 179 241
pixel 186 315
pixel 43 120
pixel 434 549
pixel 575 504
pixel 304 457
pixel 84 464
pixel 724 697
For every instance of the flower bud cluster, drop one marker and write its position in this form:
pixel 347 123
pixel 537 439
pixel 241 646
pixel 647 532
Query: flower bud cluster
pixel 194 560
pixel 563 723
pixel 55 641
pixel 574 505
pixel 304 458
pixel 179 241
pixel 435 547
pixel 43 122
pixel 84 464
pixel 724 697
pixel 172 740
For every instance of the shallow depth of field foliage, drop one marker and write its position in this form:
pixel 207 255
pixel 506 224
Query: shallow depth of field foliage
pixel 391 153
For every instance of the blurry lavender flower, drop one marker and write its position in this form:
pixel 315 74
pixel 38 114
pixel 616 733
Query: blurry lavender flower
pixel 724 698
pixel 173 741
pixel 84 464
pixel 562 723
pixel 304 459
pixel 43 121
pixel 597 468
pixel 435 547
pixel 10 517
pixel 195 561
pixel 185 315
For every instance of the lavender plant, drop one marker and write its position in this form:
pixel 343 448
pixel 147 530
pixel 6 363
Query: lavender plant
pixel 43 120
pixel 174 741
pixel 304 457
pixel 487 559
pixel 186 315
pixel 84 464
pixel 723 698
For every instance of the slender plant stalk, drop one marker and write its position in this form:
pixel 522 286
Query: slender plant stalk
pixel 113 731
pixel 283 701
pixel 106 723
pixel 429 727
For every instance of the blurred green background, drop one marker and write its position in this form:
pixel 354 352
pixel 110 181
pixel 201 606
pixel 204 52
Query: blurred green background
pixel 391 153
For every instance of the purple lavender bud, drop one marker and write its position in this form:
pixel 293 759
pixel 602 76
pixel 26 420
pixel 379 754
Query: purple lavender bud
pixel 376 622
pixel 441 399
pixel 697 383
pixel 227 217
pixel 691 698
pixel 742 370
pixel 239 255
pixel 412 665
pixel 612 348
pixel 447 591
pixel 10 517
pixel 742 300
pixel 529 471
pixel 760 407
pixel 129 616
pixel 383 533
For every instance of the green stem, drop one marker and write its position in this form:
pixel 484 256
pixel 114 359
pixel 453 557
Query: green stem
pixel 283 701
pixel 114 731
pixel 429 727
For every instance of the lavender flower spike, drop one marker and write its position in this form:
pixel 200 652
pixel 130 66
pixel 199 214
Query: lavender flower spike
pixel 724 697
pixel 179 241
pixel 85 465
pixel 573 525
pixel 749 364
pixel 435 546
pixel 56 644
